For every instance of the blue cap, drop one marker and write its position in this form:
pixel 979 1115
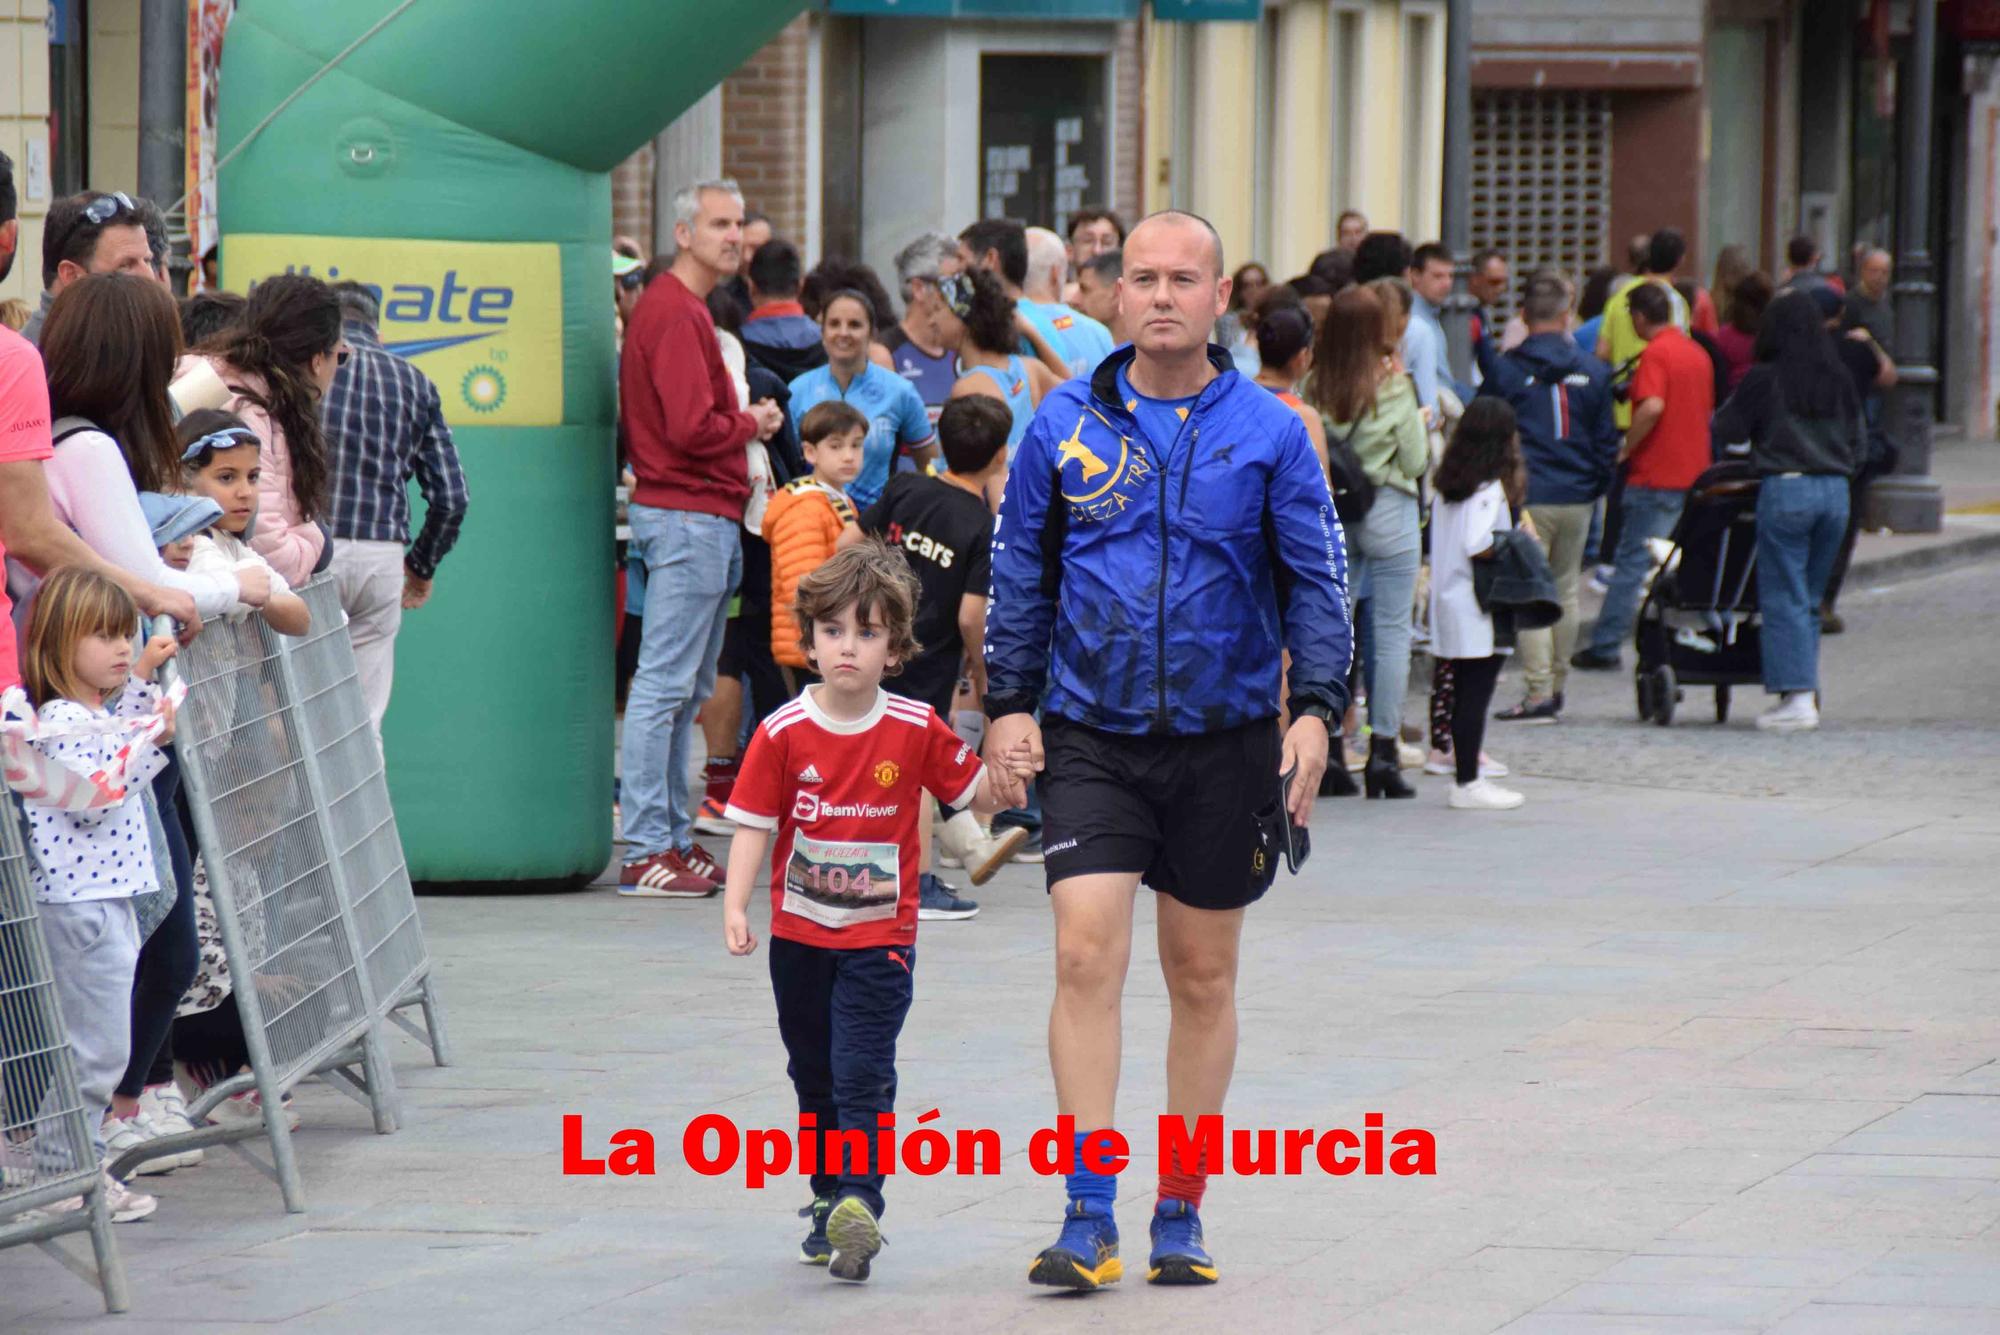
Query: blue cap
pixel 177 516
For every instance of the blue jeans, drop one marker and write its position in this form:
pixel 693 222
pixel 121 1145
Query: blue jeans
pixel 839 1013
pixel 1801 519
pixel 1648 512
pixel 1391 548
pixel 693 563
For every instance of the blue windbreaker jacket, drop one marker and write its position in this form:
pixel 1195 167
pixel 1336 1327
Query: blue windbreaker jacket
pixel 1149 585
pixel 1561 398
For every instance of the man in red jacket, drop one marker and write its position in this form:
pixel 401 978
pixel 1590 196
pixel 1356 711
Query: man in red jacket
pixel 685 442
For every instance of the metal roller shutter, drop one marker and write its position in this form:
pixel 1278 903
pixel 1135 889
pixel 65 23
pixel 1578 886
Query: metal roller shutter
pixel 1541 181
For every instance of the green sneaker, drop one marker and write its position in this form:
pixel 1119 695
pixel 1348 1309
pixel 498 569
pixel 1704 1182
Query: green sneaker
pixel 856 1237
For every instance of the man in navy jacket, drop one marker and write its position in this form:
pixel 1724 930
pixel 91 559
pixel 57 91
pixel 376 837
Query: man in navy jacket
pixel 1561 397
pixel 1166 535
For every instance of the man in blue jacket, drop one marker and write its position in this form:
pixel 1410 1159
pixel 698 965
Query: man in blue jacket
pixel 1166 535
pixel 1561 397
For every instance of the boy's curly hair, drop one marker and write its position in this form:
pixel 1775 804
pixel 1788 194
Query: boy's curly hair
pixel 872 578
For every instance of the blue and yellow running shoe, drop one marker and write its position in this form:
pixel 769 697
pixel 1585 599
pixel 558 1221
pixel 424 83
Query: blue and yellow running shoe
pixel 1178 1254
pixel 816 1250
pixel 1085 1255
pixel 856 1236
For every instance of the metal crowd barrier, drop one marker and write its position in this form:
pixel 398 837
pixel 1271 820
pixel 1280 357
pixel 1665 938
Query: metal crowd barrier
pixel 46 1155
pixel 305 869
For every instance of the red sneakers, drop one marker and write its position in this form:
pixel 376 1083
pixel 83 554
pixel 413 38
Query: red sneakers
pixel 701 864
pixel 666 875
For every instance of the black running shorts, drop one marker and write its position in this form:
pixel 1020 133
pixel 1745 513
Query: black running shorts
pixel 1180 811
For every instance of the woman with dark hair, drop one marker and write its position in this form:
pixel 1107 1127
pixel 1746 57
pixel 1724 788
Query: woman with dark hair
pixel 1737 342
pixel 1590 306
pixel 1284 347
pixel 1798 409
pixel 1371 406
pixel 897 421
pixel 833 275
pixel 110 343
pixel 278 360
pixel 977 322
pixel 1236 330
pixel 1479 481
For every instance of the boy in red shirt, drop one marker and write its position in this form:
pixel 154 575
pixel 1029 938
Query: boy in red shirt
pixel 839 774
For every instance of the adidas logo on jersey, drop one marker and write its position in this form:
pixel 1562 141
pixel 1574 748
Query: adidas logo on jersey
pixel 810 774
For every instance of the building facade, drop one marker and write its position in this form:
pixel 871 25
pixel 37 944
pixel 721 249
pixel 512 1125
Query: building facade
pixel 854 132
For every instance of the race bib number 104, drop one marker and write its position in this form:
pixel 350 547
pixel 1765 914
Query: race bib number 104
pixel 839 885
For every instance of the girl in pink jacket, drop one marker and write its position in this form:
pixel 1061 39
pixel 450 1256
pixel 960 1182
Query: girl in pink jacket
pixel 278 360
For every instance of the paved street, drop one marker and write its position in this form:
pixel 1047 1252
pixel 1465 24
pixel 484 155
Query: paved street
pixel 1705 1034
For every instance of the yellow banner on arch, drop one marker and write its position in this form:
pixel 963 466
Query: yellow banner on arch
pixel 483 319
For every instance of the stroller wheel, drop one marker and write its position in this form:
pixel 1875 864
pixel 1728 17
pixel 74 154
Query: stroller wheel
pixel 1642 686
pixel 1722 704
pixel 1666 694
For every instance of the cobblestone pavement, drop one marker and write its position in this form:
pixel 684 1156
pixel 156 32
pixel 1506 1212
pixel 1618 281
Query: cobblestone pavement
pixel 1705 1034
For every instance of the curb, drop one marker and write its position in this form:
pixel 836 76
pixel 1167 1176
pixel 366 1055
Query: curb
pixel 1928 560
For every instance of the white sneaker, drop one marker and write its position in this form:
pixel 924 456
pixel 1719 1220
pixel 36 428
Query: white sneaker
pixel 977 850
pixel 1484 795
pixel 125 1204
pixel 1795 713
pixel 125 1134
pixel 17 1162
pixel 1600 579
pixel 1407 756
pixel 163 1106
pixel 1440 762
pixel 247 1109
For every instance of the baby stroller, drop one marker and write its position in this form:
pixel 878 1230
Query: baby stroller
pixel 1698 625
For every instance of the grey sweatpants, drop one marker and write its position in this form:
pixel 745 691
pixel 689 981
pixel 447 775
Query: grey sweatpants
pixel 93 952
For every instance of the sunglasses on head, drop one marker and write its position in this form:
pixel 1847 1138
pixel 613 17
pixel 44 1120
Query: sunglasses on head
pixel 106 207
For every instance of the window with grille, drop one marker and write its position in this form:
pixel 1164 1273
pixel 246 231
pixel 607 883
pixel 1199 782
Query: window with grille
pixel 1541 181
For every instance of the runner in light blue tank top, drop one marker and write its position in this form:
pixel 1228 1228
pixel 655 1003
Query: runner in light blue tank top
pixel 1017 390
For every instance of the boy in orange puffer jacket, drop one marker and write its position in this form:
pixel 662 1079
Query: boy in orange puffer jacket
pixel 803 522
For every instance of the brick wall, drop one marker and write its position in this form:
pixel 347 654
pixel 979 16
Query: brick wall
pixel 1129 97
pixel 632 197
pixel 764 129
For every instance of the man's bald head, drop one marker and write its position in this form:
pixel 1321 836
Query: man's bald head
pixel 1048 260
pixel 1178 219
pixel 1174 288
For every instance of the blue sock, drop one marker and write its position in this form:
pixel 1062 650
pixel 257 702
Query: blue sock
pixel 1098 1190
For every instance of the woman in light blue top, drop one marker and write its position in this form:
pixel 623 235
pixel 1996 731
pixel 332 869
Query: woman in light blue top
pixel 978 323
pixel 894 409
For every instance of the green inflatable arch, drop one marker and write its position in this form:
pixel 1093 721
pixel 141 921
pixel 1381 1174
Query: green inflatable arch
pixel 458 157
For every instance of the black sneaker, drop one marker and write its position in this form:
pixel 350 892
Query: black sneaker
pixel 816 1250
pixel 1589 660
pixel 1547 711
pixel 936 900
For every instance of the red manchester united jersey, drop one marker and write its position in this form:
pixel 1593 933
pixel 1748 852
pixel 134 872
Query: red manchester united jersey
pixel 846 801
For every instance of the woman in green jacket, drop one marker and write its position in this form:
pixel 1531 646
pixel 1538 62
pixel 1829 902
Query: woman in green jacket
pixel 1370 404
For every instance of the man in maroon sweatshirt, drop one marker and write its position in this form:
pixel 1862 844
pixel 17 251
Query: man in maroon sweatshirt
pixel 685 442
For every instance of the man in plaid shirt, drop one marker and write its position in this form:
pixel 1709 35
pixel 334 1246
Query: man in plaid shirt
pixel 383 426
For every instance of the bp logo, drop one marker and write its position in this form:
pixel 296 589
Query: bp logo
pixel 484 388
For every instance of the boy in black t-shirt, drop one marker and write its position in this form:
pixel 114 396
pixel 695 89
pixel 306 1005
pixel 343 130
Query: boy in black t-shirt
pixel 943 525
